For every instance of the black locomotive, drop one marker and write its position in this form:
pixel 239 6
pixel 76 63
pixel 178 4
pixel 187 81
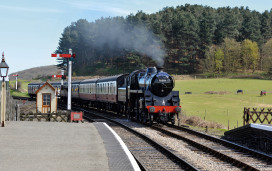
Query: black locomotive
pixel 145 95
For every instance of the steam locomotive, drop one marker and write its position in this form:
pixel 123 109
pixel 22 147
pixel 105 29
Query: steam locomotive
pixel 145 95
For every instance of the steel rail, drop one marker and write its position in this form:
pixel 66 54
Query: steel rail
pixel 206 149
pixel 21 98
pixel 181 162
pixel 226 143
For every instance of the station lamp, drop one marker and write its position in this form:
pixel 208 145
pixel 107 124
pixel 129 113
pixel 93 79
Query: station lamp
pixel 4 67
pixel 4 73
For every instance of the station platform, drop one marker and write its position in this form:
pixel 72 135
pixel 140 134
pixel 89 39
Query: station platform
pixel 254 136
pixel 62 146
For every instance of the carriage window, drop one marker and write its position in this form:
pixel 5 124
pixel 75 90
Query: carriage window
pixel 97 88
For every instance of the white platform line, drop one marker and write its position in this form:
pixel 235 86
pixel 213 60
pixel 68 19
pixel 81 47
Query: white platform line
pixel 123 145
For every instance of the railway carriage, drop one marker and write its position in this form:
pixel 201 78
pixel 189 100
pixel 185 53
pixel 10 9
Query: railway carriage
pixel 107 91
pixel 32 88
pixel 75 89
pixel 87 90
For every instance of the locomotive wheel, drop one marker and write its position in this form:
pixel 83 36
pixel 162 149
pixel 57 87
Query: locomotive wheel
pixel 138 117
pixel 143 117
pixel 151 119
pixel 173 121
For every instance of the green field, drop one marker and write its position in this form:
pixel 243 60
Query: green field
pixel 219 108
pixel 227 106
pixel 23 90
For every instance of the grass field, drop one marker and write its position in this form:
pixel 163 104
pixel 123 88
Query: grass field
pixel 225 107
pixel 23 89
pixel 219 108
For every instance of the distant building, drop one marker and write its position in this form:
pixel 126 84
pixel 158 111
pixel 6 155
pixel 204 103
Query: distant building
pixel 46 99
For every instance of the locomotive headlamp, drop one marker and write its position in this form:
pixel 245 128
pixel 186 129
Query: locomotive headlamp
pixel 178 109
pixel 152 109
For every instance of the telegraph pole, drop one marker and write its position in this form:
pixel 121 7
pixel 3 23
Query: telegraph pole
pixel 16 84
pixel 16 81
pixel 69 82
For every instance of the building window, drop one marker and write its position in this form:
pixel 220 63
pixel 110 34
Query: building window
pixel 46 99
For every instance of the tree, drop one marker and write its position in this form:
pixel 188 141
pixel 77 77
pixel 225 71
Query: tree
pixel 251 27
pixel 186 33
pixel 207 29
pixel 208 64
pixel 185 29
pixel 232 50
pixel 228 24
pixel 266 26
pixel 266 60
pixel 249 54
pixel 218 58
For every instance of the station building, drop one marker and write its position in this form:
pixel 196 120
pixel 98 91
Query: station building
pixel 46 99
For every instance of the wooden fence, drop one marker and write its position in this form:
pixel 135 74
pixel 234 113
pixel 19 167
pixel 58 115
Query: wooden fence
pixel 48 117
pixel 254 116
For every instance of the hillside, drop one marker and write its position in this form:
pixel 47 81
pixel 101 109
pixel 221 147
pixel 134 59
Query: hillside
pixel 42 72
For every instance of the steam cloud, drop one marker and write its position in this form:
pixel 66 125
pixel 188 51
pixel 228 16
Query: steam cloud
pixel 117 35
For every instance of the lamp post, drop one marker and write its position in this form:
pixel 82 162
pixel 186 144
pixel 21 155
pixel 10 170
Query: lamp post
pixel 4 73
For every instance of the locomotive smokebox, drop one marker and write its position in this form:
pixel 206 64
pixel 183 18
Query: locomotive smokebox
pixel 160 68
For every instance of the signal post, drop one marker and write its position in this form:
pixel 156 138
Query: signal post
pixel 70 57
pixel 16 75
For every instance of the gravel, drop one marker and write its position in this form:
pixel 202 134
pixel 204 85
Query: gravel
pixel 199 160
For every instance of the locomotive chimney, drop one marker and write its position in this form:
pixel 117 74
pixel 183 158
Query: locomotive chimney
pixel 160 68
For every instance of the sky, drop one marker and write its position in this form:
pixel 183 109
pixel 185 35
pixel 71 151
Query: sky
pixel 30 29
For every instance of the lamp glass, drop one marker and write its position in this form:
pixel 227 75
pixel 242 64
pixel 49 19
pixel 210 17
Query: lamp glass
pixel 4 72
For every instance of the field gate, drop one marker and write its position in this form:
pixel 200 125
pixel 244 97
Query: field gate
pixel 254 116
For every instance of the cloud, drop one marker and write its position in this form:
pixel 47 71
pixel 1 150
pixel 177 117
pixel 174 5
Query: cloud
pixel 33 9
pixel 102 7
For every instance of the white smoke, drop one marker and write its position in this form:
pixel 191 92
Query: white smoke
pixel 118 35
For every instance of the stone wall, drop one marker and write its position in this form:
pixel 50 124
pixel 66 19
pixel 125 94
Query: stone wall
pixel 10 106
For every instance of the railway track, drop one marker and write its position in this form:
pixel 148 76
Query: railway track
pixel 149 154
pixel 236 155
pixel 22 98
pixel 233 154
pixel 226 143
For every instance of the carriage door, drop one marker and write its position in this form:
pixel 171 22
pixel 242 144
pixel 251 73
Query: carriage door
pixel 46 105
